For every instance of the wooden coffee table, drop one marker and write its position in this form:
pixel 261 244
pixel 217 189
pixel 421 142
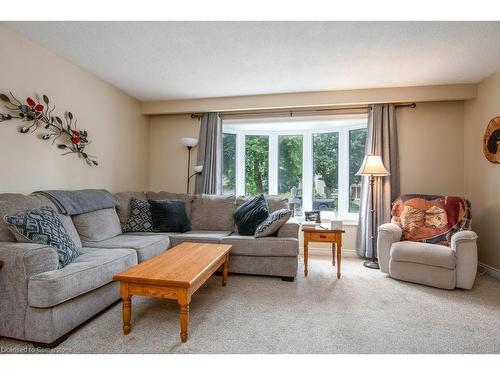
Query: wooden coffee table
pixel 174 274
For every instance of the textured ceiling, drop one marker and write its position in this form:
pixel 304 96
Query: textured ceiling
pixel 178 60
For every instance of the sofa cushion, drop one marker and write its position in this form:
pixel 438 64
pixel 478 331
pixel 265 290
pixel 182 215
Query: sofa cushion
pixel 198 236
pixel 42 226
pixel 266 246
pixel 97 225
pixel 145 246
pixel 213 212
pixel 251 214
pixel 169 215
pixel 139 216
pixel 162 195
pixel 423 253
pixel 91 270
pixel 124 202
pixel 273 223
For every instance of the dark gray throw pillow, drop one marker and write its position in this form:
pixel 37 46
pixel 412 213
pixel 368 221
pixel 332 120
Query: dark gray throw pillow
pixel 169 216
pixel 273 223
pixel 250 214
pixel 139 216
pixel 42 226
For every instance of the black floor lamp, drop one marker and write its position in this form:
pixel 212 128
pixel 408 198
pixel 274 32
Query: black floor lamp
pixel 190 143
pixel 372 166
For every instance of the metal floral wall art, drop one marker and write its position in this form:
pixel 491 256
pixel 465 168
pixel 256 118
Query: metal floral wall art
pixel 63 132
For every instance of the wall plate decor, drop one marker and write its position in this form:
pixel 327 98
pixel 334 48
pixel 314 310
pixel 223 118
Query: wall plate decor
pixel 491 141
pixel 63 132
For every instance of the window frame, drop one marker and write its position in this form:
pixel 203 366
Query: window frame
pixel 319 126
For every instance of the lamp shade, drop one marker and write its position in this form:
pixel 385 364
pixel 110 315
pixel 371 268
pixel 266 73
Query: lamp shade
pixel 189 142
pixel 198 168
pixel 372 166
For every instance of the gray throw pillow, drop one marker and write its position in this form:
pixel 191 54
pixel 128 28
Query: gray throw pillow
pixel 139 216
pixel 273 223
pixel 42 226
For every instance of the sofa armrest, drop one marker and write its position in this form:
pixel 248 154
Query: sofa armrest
pixel 387 234
pixel 464 245
pixel 21 261
pixel 290 229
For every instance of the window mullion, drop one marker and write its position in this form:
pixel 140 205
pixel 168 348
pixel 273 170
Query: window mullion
pixel 240 164
pixel 273 164
pixel 343 170
pixel 307 172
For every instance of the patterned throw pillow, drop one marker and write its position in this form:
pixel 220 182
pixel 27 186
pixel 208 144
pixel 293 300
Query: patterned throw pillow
pixel 273 223
pixel 431 218
pixel 250 214
pixel 139 216
pixel 42 226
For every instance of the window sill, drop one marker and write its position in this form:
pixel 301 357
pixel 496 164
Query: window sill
pixel 349 221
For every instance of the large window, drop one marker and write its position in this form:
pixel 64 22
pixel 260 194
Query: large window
pixel 229 163
pixel 311 161
pixel 325 171
pixel 256 164
pixel 290 148
pixel 357 140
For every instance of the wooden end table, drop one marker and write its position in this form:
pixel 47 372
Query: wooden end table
pixel 318 234
pixel 174 274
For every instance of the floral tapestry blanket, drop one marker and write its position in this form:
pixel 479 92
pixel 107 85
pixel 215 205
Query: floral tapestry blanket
pixel 431 218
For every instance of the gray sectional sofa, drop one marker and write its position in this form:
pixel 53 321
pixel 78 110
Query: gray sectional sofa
pixel 42 304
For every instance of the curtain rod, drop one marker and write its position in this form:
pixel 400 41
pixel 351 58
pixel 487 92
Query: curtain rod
pixel 291 112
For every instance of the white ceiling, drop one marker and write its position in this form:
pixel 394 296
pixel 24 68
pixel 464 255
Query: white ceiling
pixel 178 60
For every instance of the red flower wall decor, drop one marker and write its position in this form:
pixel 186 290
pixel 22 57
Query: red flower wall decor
pixel 64 132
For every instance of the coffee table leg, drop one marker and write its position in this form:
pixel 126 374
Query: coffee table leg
pixel 126 307
pixel 225 271
pixel 127 310
pixel 183 300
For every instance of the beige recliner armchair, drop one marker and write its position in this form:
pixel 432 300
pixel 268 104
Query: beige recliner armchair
pixel 429 264
pixel 446 267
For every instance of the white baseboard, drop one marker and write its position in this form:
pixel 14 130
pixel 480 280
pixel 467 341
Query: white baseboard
pixel 492 271
pixel 323 251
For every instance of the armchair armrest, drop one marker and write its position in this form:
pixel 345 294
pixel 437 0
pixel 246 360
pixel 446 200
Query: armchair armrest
pixel 21 261
pixel 290 229
pixel 388 233
pixel 464 245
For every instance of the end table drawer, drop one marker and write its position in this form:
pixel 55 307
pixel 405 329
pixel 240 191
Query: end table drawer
pixel 323 237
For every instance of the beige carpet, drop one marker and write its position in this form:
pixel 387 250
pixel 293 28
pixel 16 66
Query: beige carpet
pixel 363 312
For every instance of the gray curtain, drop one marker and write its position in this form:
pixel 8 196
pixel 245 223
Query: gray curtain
pixel 382 140
pixel 210 155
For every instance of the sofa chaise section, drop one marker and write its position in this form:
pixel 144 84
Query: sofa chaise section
pixel 32 286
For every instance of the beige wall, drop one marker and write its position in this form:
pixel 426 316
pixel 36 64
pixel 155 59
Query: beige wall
pixel 482 178
pixel 168 157
pixel 117 129
pixel 430 143
pixel 430 148
pixel 313 99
